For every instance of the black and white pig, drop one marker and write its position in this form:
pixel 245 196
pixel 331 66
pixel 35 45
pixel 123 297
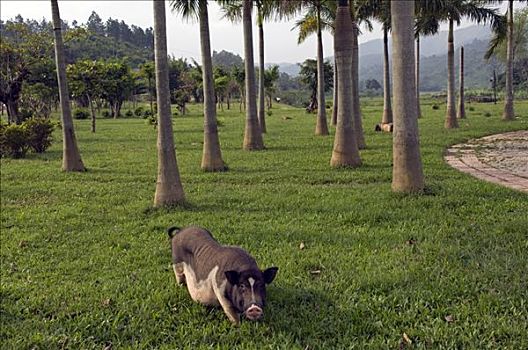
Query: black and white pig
pixel 219 275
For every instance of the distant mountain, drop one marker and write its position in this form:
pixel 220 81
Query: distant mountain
pixel 432 45
pixel 433 59
pixel 291 69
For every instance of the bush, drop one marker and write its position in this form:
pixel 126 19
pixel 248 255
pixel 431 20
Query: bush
pixel 39 132
pixel 487 114
pixel 471 108
pixel 129 114
pixel 435 107
pixel 269 112
pixel 81 113
pixel 138 111
pixel 13 140
pixel 151 120
pixel 147 114
pixel 106 114
pixel 220 122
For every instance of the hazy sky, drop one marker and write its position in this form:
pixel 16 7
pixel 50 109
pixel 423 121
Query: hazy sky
pixel 183 37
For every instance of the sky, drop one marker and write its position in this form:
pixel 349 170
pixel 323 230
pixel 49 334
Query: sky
pixel 183 36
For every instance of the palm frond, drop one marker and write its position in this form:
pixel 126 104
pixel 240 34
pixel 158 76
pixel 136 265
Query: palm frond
pixel 188 9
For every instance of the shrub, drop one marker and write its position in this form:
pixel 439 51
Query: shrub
pixel 152 120
pixel 487 114
pixel 435 107
pixel 129 114
pixel 138 111
pixel 25 114
pixel 39 132
pixel 106 114
pixel 269 112
pixel 147 114
pixel 13 140
pixel 81 113
pixel 471 108
pixel 220 122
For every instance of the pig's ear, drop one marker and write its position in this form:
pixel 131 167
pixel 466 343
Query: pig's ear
pixel 233 277
pixel 269 274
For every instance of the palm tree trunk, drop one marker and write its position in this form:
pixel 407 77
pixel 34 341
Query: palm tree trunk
pixel 451 121
pixel 461 114
pixel 252 134
pixel 169 190
pixel 71 157
pixel 407 173
pixel 509 113
pixel 321 127
pixel 261 106
pixel 418 107
pixel 358 122
pixel 345 152
pixel 387 107
pixel 211 156
pixel 334 104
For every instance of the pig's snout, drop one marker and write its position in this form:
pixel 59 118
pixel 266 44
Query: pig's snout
pixel 254 312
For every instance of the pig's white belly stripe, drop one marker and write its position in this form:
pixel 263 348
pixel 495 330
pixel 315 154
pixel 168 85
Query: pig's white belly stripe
pixel 201 291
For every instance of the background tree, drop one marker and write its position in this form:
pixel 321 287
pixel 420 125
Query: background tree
pixel 212 156
pixel 407 173
pixel 169 190
pixel 85 79
pixel 71 157
pixel 308 76
pixel 117 85
pixel 271 76
pixel 345 152
pixel 147 71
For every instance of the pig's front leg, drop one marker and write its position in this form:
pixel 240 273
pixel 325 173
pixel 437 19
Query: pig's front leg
pixel 228 308
pixel 178 272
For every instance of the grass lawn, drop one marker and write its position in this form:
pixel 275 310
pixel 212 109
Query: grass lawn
pixel 85 261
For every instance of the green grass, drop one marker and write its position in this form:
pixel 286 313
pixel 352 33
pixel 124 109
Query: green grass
pixel 85 261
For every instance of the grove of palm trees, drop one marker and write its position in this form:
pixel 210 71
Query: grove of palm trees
pixel 379 242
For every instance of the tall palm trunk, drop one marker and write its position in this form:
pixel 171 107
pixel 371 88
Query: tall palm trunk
pixel 252 135
pixel 407 173
pixel 345 152
pixel 461 113
pixel 509 113
pixel 450 120
pixel 418 107
pixel 71 157
pixel 387 107
pixel 358 123
pixel 211 156
pixel 335 101
pixel 321 127
pixel 169 190
pixel 261 106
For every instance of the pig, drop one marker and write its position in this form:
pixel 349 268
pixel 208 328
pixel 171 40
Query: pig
pixel 219 275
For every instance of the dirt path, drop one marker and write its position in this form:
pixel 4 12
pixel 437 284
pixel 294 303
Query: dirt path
pixel 501 159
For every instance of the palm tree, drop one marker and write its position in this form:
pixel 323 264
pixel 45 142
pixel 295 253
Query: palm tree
pixel 265 9
pixel 313 19
pixel 147 71
pixel 461 112
pixel 252 134
pixel 407 173
pixel 514 41
pixel 453 11
pixel 310 25
pixel 169 190
pixel 212 155
pixel 426 23
pixel 71 157
pixel 345 152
